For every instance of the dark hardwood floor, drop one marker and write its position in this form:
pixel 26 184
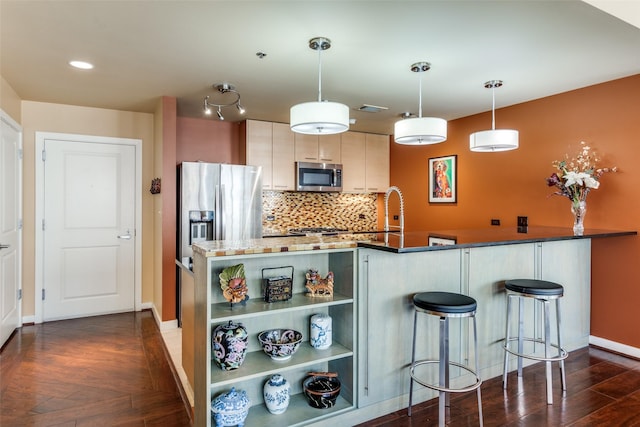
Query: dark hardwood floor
pixel 96 371
pixel 603 389
pixel 113 371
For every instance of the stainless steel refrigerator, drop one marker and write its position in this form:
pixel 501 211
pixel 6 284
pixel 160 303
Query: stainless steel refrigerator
pixel 217 202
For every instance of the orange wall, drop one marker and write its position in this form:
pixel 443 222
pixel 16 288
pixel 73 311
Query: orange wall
pixel 507 184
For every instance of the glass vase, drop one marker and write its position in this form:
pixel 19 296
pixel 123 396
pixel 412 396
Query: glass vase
pixel 579 210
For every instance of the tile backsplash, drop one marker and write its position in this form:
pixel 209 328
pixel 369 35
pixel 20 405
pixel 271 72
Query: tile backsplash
pixel 284 210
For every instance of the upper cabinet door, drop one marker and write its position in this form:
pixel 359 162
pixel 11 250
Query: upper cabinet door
pixel 377 171
pixel 306 147
pixel 284 172
pixel 259 149
pixel 329 147
pixel 353 162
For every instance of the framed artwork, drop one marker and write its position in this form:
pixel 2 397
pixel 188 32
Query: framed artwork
pixel 441 240
pixel 443 179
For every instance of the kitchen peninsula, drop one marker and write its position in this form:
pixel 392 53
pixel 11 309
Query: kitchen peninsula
pixel 375 278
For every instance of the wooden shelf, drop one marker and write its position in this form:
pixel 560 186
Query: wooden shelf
pixel 258 365
pixel 298 413
pixel 221 312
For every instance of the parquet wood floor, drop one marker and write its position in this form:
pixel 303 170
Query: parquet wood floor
pixel 96 371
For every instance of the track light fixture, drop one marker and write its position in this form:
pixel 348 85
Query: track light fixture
pixel 224 89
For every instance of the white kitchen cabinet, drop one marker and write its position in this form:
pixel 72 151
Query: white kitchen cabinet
pixel 211 310
pixel 270 145
pixel 317 148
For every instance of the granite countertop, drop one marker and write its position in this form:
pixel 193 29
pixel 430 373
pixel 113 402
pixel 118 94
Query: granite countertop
pixel 218 248
pixel 416 241
pixel 420 241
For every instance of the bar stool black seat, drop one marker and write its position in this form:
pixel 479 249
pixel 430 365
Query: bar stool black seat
pixel 544 292
pixel 445 305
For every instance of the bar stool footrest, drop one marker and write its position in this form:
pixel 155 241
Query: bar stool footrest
pixel 445 389
pixel 563 354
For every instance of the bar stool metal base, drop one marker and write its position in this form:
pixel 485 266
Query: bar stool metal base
pixel 443 305
pixel 544 292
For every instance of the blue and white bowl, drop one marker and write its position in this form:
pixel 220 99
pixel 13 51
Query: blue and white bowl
pixel 280 344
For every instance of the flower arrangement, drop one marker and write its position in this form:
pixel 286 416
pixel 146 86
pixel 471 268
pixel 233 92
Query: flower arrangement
pixel 577 176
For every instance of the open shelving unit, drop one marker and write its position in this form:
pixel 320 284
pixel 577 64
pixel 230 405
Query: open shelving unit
pixel 211 310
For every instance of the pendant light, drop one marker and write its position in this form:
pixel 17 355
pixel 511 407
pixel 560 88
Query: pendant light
pixel 494 139
pixel 420 130
pixel 321 117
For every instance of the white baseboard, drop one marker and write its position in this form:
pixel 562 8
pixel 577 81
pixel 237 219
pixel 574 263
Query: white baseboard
pixel 615 346
pixel 163 326
pixel 28 319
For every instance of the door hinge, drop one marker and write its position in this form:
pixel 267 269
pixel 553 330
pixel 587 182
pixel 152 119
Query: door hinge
pixel 20 224
pixel 20 154
pixel 44 155
pixel 43 295
pixel 19 294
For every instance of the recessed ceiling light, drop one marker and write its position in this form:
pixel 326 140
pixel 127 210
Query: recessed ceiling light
pixel 81 65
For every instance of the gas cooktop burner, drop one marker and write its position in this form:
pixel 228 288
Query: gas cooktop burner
pixel 325 231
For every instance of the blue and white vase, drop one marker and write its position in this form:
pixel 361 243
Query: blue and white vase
pixel 276 394
pixel 320 333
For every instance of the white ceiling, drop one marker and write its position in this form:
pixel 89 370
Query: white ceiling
pixel 146 49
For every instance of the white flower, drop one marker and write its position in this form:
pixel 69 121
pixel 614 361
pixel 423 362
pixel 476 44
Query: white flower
pixel 591 182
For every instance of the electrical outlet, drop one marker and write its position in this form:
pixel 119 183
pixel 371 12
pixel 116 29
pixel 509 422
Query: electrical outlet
pixel 495 222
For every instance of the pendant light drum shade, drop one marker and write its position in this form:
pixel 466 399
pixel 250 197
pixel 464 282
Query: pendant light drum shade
pixel 420 130
pixel 494 140
pixel 319 118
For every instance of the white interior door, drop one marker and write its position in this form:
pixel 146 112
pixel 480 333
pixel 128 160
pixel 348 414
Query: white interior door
pixel 10 226
pixel 89 228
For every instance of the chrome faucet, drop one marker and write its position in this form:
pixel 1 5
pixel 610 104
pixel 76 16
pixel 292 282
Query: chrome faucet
pixel 386 209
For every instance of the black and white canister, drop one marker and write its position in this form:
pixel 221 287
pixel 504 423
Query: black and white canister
pixel 320 331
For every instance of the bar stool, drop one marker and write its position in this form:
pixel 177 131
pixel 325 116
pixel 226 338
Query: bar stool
pixel 544 292
pixel 445 305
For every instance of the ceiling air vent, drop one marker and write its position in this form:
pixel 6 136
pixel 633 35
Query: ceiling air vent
pixel 371 108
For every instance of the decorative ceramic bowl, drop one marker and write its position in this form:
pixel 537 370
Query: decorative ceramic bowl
pixel 321 391
pixel 280 344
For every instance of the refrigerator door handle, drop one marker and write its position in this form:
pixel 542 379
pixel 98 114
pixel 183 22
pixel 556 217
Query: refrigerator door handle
pixel 217 214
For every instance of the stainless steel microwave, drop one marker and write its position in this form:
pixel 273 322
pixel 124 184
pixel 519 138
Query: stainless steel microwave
pixel 318 176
